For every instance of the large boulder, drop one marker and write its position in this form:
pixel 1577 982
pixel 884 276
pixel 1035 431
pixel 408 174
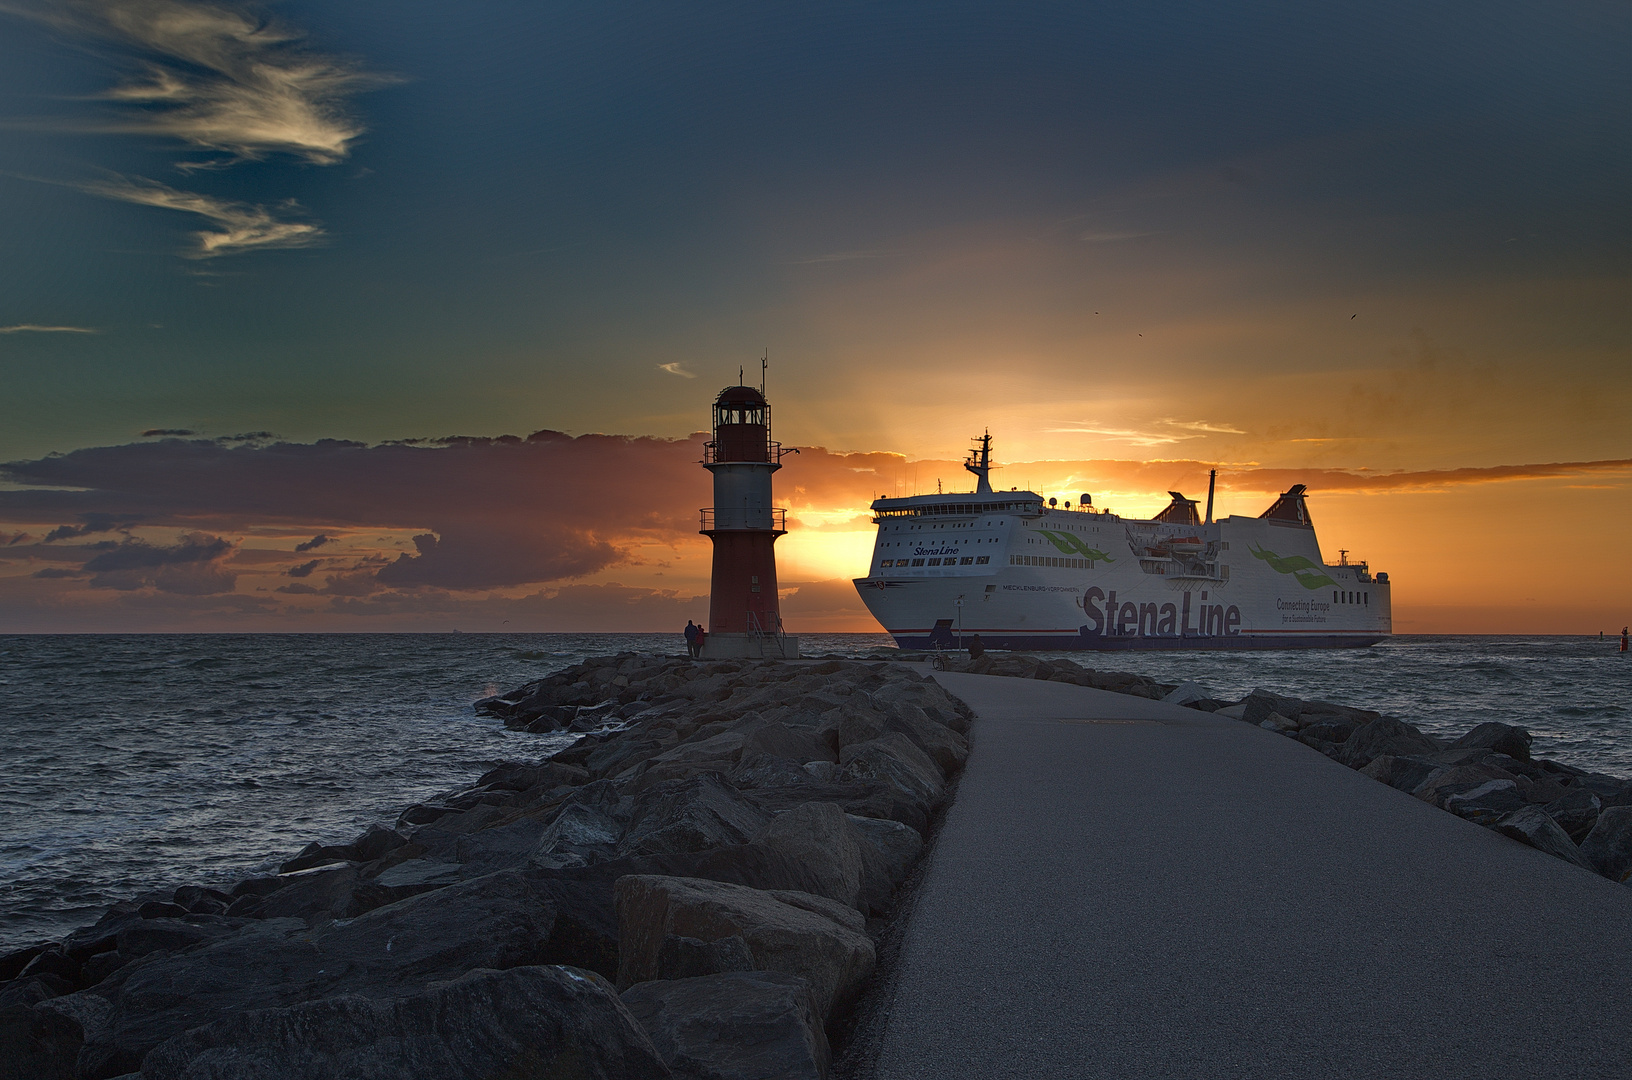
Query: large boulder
pixel 690 815
pixel 1576 812
pixel 809 936
pixel 1531 825
pixel 524 1022
pixel 586 828
pixel 820 836
pixel 1384 735
pixel 941 744
pixel 1608 847
pixel 1502 738
pixel 751 1025
pixel 893 759
pixel 499 921
pixel 38 1044
pixel 1405 773
pixel 797 744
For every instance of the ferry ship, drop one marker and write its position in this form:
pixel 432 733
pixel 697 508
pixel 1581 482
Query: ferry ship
pixel 1023 573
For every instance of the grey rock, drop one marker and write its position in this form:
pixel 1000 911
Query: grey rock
pixel 738 1026
pixel 1186 692
pixel 687 958
pixel 899 845
pixel 1608 847
pixel 825 771
pixel 894 760
pixel 782 937
pixel 690 815
pixel 1385 735
pixel 1531 825
pixel 418 872
pixel 1502 738
pixel 1443 783
pixel 173 935
pixel 766 770
pixel 1488 803
pixel 37 1044
pixel 819 835
pixel 941 744
pixel 524 1022
pixel 498 921
pixel 1405 773
pixel 1576 812
pixel 797 744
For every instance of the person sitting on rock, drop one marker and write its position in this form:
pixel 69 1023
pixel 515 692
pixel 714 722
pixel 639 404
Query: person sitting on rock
pixel 977 648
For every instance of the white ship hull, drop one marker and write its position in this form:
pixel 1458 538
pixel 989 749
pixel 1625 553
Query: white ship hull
pixel 1024 576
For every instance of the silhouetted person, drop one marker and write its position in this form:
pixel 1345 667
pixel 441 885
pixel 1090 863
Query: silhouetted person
pixel 694 635
pixel 977 648
pixel 1624 630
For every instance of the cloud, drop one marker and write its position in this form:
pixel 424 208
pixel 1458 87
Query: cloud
pixel 94 523
pixel 189 567
pixel 168 433
pixel 676 369
pixel 51 572
pixel 1176 431
pixel 304 569
pixel 240 226
pixel 34 328
pixel 219 79
pixel 314 543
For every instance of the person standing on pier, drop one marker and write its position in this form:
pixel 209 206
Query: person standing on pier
pixel 693 635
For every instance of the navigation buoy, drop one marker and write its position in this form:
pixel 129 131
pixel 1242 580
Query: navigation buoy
pixel 745 618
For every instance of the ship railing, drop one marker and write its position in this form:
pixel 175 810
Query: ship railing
pixel 757 519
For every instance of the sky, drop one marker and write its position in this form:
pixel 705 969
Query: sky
pixel 366 316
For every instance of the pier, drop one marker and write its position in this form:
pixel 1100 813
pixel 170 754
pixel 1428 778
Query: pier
pixel 1128 888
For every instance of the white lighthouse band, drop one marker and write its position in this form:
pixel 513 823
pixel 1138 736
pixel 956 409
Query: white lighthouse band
pixel 1024 573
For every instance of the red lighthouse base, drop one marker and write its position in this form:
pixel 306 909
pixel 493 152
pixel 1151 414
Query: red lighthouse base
pixel 743 615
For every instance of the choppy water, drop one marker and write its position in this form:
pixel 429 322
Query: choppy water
pixel 132 762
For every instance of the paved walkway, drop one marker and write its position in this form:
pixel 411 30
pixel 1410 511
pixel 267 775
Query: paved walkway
pixel 1125 888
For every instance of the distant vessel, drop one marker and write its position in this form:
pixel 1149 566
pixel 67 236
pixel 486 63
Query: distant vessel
pixel 1025 575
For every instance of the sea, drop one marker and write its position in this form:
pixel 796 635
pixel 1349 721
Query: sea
pixel 130 763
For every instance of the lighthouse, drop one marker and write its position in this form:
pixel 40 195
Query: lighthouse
pixel 744 618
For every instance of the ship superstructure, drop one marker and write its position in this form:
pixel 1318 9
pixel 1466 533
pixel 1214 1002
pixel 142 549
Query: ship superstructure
pixel 1023 572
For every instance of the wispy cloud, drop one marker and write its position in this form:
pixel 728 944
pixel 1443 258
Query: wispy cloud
pixel 218 78
pixel 239 226
pixel 33 328
pixel 676 369
pixel 1169 431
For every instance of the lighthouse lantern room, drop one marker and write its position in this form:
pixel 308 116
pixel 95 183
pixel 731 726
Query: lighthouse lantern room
pixel 744 618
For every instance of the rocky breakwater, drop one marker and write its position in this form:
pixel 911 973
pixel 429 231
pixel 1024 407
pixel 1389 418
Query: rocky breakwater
pixel 692 888
pixel 1487 776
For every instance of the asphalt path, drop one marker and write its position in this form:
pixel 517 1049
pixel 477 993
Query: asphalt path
pixel 1125 888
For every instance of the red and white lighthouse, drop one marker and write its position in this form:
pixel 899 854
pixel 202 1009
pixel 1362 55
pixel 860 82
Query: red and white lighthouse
pixel 744 619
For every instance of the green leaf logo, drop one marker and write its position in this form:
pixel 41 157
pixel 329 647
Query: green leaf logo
pixel 1303 571
pixel 1070 544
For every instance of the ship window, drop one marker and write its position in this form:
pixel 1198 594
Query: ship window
pixel 981 560
pixel 966 561
pixel 1334 596
pixel 917 562
pixel 934 562
pixel 887 562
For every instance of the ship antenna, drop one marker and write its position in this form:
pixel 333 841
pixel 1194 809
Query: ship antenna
pixel 764 362
pixel 980 463
pixel 1212 477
